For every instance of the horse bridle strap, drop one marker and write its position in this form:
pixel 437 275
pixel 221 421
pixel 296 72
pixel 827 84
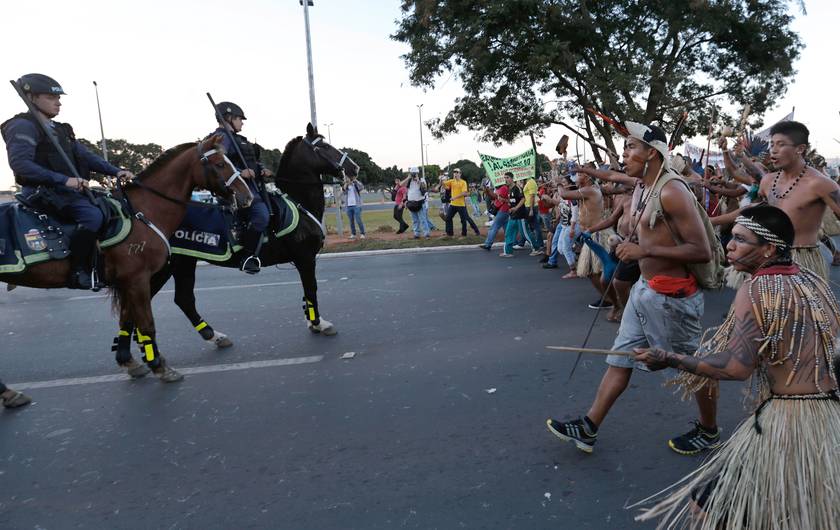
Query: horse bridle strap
pixel 236 174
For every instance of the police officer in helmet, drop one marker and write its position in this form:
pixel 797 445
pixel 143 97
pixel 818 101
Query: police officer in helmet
pixel 257 214
pixel 35 162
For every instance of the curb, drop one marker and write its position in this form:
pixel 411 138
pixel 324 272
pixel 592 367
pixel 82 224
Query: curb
pixel 412 250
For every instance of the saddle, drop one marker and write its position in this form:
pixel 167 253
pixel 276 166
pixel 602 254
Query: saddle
pixel 213 232
pixel 31 232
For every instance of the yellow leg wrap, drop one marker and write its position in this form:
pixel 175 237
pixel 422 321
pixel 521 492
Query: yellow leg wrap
pixel 201 325
pixel 150 352
pixel 123 333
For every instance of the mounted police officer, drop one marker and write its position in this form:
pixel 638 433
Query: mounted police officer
pixel 257 214
pixel 36 163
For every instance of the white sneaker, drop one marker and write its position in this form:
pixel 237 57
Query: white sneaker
pixel 517 247
pixel 352 236
pixel 361 236
pixel 488 223
pixel 536 253
pixel 505 255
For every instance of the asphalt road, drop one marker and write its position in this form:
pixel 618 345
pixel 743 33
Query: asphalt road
pixel 408 434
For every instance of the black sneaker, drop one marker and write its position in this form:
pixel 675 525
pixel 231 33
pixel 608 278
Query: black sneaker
pixel 603 304
pixel 549 266
pixel 573 431
pixel 483 246
pixel 695 441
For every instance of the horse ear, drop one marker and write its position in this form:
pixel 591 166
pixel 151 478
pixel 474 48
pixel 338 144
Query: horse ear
pixel 216 140
pixel 311 130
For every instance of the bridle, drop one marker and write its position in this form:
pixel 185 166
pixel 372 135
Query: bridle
pixel 337 166
pixel 205 162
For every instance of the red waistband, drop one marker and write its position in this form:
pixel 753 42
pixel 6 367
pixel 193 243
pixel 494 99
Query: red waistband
pixel 674 287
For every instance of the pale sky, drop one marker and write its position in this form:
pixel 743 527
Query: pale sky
pixel 154 60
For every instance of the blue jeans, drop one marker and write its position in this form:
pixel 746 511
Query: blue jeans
pixel 354 213
pixel 429 225
pixel 653 320
pixel 500 221
pixel 420 221
pixel 562 244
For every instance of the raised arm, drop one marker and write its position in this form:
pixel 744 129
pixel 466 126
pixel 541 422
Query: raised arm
pixel 608 175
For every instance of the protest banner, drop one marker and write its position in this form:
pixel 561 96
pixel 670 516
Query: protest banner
pixel 523 166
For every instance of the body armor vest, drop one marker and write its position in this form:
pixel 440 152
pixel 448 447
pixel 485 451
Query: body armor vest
pixel 47 156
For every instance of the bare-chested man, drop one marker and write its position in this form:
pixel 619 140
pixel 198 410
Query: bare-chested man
pixel 802 192
pixel 665 305
pixel 591 212
pixel 621 219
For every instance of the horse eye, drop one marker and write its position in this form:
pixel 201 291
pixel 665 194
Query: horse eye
pixel 220 165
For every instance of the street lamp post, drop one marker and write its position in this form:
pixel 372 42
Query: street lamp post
pixel 422 158
pixel 101 129
pixel 312 114
pixel 428 160
pixel 329 135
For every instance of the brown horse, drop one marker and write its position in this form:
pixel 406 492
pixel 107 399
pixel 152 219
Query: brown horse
pixel 157 200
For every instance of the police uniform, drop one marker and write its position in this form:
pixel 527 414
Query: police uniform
pixel 257 214
pixel 35 162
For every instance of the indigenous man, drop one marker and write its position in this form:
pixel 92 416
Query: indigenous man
pixel 36 163
pixel 12 399
pixel 780 468
pixel 590 211
pixel 665 305
pixel 626 272
pixel 257 215
pixel 801 191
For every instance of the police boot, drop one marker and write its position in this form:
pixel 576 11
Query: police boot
pixel 250 242
pixel 82 250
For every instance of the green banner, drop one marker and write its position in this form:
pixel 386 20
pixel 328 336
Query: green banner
pixel 522 166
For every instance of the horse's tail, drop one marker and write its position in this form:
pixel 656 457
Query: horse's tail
pixel 116 300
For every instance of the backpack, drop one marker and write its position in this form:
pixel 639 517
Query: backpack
pixel 709 275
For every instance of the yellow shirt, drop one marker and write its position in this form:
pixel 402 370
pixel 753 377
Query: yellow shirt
pixel 530 191
pixel 457 187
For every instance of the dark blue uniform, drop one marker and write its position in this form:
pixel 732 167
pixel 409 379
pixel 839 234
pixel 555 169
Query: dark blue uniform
pixel 257 213
pixel 35 162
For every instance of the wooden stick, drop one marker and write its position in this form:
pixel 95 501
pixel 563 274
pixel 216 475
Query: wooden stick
pixel 595 351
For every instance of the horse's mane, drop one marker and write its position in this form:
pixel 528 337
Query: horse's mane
pixel 287 152
pixel 165 158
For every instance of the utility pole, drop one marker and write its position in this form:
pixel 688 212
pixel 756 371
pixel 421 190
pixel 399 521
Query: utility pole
pixel 312 114
pixel 422 158
pixel 428 161
pixel 101 129
pixel 329 135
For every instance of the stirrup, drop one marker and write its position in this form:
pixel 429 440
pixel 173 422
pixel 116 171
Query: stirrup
pixel 245 265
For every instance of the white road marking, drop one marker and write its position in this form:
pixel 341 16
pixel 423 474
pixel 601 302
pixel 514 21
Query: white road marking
pixel 213 368
pixel 198 289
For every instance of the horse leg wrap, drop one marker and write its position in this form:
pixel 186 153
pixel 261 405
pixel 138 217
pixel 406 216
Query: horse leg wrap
pixel 122 347
pixel 205 330
pixel 311 312
pixel 149 349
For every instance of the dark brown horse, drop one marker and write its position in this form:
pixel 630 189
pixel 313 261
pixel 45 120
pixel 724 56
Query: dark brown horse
pixel 303 162
pixel 157 200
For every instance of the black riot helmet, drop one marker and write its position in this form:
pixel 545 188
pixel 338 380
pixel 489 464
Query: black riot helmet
pixel 39 84
pixel 226 108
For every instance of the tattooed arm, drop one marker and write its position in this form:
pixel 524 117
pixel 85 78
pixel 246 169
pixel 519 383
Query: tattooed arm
pixel 736 362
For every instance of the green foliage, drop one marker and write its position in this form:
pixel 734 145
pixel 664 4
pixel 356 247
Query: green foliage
pixel 126 155
pixel 641 61
pixel 270 158
pixel 469 170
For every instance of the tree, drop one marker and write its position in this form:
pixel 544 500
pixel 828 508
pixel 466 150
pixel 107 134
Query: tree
pixel 526 64
pixel 270 158
pixel 469 170
pixel 126 155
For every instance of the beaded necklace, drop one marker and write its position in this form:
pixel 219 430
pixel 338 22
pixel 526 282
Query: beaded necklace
pixel 795 182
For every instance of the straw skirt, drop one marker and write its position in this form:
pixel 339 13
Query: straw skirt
pixel 787 477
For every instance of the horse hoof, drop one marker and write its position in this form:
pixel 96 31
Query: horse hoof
pixel 135 369
pixel 167 374
pixel 220 340
pixel 324 326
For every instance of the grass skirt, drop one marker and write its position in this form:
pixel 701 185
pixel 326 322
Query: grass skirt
pixel 811 258
pixel 588 263
pixel 786 478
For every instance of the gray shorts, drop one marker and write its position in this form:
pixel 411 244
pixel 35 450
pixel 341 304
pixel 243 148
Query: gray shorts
pixel 657 321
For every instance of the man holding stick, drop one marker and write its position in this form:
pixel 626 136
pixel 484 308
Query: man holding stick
pixel 665 305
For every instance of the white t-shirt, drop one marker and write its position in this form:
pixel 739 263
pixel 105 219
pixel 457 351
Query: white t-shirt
pixel 353 197
pixel 414 193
